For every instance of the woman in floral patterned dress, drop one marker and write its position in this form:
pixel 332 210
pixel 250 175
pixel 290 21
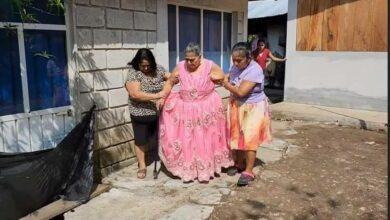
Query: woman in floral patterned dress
pixel 192 128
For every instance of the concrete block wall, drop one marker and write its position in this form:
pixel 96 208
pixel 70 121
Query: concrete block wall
pixel 107 35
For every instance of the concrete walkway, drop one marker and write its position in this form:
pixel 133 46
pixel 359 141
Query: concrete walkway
pixel 169 198
pixel 369 120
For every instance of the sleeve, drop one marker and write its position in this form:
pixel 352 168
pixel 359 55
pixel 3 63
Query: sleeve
pixel 132 75
pixel 254 74
pixel 267 52
pixel 160 70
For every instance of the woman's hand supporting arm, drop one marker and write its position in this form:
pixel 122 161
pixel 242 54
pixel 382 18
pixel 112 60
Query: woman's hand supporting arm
pixel 241 91
pixel 216 74
pixel 170 82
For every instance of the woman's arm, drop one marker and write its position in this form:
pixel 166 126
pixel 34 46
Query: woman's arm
pixel 170 82
pixel 166 76
pixel 216 74
pixel 135 93
pixel 275 58
pixel 241 91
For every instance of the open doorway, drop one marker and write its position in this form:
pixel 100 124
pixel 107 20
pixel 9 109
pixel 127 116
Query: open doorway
pixel 273 30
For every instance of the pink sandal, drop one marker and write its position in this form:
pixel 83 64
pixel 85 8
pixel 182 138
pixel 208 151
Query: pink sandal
pixel 245 178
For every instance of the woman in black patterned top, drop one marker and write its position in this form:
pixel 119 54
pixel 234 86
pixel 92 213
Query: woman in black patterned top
pixel 144 83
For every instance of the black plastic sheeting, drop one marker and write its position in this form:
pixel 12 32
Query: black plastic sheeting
pixel 29 181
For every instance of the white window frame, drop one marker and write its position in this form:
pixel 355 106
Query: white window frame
pixel 23 69
pixel 201 8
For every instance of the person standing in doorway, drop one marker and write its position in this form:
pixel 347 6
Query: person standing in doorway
pixel 249 120
pixel 262 54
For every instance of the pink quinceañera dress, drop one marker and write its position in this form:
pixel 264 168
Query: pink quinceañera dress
pixel 192 129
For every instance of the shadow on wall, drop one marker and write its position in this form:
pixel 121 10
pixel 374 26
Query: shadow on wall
pixel 336 98
pixel 85 96
pixel 86 61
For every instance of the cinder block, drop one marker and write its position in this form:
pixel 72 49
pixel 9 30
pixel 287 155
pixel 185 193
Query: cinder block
pixel 103 139
pixel 109 79
pixel 85 2
pixel 132 148
pixel 85 82
pixel 114 154
pixel 89 16
pixel 119 115
pixel 91 60
pixel 138 5
pixel 151 5
pixel 84 38
pixel 119 19
pixel 118 97
pixel 106 3
pixel 86 100
pixel 104 118
pixel 121 134
pixel 152 39
pixel 111 117
pixel 125 75
pixel 107 38
pixel 145 21
pixel 134 39
pixel 119 58
pixel 127 115
pixel 122 164
pixel 101 99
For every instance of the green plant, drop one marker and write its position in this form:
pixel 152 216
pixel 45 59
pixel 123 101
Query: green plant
pixel 44 54
pixel 56 4
pixel 20 7
pixel 10 30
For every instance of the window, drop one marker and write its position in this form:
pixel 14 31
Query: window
pixel 11 97
pixel 210 29
pixel 33 73
pixel 212 35
pixel 172 36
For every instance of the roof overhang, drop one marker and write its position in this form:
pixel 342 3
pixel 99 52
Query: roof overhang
pixel 267 8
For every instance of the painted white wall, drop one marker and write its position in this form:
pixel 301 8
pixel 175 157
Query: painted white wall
pixel 162 49
pixel 355 80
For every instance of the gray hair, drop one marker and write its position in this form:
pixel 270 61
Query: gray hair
pixel 243 48
pixel 192 48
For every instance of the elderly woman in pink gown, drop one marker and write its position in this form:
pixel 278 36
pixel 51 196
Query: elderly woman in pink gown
pixel 192 127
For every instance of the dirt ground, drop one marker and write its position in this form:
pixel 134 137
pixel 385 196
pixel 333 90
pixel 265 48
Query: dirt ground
pixel 339 173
